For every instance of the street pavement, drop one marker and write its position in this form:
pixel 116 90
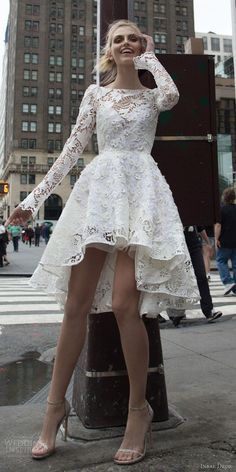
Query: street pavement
pixel 200 364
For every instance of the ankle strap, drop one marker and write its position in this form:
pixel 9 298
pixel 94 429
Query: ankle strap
pixel 55 403
pixel 138 409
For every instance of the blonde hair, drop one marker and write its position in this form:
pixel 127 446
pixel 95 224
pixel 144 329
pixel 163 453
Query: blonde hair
pixel 107 67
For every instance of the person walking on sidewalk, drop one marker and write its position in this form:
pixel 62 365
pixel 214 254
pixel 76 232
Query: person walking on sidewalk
pixel 194 243
pixel 109 250
pixel 37 234
pixel 15 231
pixel 225 241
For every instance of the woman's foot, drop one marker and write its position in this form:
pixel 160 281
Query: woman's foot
pixel 133 447
pixel 56 413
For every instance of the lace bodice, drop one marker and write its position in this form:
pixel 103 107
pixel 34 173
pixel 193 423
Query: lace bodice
pixel 125 119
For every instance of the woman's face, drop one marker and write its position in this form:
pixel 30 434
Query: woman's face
pixel 126 44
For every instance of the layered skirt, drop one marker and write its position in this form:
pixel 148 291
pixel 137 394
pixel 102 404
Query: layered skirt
pixel 122 202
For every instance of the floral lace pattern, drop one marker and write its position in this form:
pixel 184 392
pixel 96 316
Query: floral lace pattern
pixel 121 200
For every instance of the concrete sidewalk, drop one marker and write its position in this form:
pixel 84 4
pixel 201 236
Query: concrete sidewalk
pixel 23 262
pixel 200 368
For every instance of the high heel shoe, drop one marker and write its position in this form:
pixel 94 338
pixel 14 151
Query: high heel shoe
pixel 140 455
pixel 43 447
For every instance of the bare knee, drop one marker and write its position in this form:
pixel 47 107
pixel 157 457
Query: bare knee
pixel 75 309
pixel 124 309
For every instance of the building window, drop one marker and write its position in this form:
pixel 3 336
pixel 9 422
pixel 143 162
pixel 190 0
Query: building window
pixel 73 94
pixel 51 92
pixel 34 75
pixel 81 62
pixel 81 30
pixel 23 179
pixel 58 110
pixel 33 109
pixel 35 58
pixel 59 77
pixel 52 60
pixel 59 28
pixel 215 44
pixel 35 25
pixel 58 145
pixel 73 78
pixel 23 195
pixel 35 42
pixel 205 45
pixel 32 9
pixel 32 143
pixel 58 127
pixel 59 93
pixel 74 62
pixel 34 91
pixel 51 127
pixel 26 58
pixel 25 109
pixel 50 161
pixel 59 44
pixel 81 78
pixel 24 161
pixel 32 160
pixel 60 13
pixel 27 41
pixel 227 45
pixel 59 61
pixel 80 162
pixel 31 178
pixel 51 110
pixel 26 91
pixel 33 126
pixel 51 76
pixel 24 126
pixel 136 5
pixel 28 25
pixel 50 145
pixel 72 179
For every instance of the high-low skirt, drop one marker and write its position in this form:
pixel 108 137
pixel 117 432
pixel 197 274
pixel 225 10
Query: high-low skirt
pixel 121 201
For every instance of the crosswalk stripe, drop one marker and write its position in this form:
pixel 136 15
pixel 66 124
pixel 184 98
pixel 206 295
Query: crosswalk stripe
pixel 21 304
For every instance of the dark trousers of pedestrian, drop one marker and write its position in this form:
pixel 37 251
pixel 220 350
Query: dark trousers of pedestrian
pixel 36 239
pixel 15 240
pixel 30 241
pixel 202 282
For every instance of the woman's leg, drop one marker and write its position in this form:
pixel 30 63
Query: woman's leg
pixel 81 290
pixel 135 347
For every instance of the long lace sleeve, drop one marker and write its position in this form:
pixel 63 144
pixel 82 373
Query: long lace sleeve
pixel 72 149
pixel 167 94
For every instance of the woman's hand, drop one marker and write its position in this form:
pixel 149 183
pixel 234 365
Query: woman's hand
pixel 19 216
pixel 148 43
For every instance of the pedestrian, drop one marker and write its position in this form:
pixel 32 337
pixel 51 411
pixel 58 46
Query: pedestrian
pixel 37 233
pixel 225 241
pixel 15 231
pixel 112 249
pixel 194 244
pixel 29 234
pixel 2 242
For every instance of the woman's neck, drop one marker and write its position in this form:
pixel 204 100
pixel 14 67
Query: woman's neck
pixel 127 77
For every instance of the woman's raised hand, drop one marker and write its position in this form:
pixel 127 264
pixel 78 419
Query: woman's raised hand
pixel 149 43
pixel 19 216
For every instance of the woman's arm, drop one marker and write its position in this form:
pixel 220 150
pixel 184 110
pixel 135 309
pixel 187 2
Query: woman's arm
pixel 72 149
pixel 167 94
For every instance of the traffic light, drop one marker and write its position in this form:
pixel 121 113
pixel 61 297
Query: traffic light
pixel 4 188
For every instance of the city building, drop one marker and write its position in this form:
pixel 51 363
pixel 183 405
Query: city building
pixel 3 92
pixel 217 44
pixel 51 54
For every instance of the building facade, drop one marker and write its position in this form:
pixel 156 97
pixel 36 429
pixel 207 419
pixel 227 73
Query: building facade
pixel 51 55
pixel 217 44
pixel 3 92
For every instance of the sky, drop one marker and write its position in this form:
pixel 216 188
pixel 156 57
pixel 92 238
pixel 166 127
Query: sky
pixel 209 15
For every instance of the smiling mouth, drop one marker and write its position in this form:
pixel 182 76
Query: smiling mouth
pixel 127 51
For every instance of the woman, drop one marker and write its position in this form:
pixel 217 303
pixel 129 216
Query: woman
pixel 112 248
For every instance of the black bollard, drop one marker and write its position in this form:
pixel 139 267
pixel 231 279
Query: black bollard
pixel 101 387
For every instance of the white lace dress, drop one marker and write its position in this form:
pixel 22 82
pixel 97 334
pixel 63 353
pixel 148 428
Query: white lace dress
pixel 121 200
